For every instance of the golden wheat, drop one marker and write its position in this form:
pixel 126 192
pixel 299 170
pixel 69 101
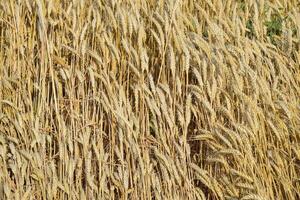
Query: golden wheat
pixel 145 99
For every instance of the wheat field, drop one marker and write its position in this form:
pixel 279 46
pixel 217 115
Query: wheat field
pixel 150 99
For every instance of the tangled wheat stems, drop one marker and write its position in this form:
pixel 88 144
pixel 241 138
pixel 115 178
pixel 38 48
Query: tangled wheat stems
pixel 144 99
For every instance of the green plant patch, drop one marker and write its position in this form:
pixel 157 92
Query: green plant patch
pixel 250 29
pixel 274 27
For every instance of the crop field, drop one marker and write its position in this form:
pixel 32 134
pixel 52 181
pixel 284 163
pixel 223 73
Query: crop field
pixel 150 99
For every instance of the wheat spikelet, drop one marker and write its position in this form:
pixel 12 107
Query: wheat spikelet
pixel 252 197
pixel 160 31
pixel 172 61
pixel 123 22
pixel 144 60
pixel 187 59
pixel 198 76
pixel 242 175
pixel 188 109
pixel 157 39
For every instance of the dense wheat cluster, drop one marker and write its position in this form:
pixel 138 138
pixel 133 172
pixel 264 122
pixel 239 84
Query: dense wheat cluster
pixel 150 99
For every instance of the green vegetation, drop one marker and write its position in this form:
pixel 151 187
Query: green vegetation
pixel 274 27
